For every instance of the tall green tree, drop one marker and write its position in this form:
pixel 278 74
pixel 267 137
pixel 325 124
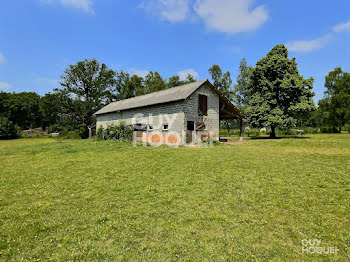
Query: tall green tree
pixel 223 83
pixel 90 85
pixel 189 79
pixel 138 84
pixel 241 94
pixel 278 93
pixel 62 110
pixel 335 107
pixel 50 108
pixel 153 83
pixel 173 81
pixel 23 109
pixel 124 86
pixel 4 106
pixel 7 129
pixel 176 81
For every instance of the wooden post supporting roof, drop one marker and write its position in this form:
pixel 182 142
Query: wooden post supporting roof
pixel 241 129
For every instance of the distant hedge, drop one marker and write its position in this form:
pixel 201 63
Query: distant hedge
pixel 69 135
pixel 7 129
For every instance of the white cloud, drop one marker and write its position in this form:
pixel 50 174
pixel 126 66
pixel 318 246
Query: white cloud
pixel 309 45
pixel 168 10
pixel 85 5
pixel 341 27
pixel 318 43
pixel 2 58
pixel 5 86
pixel 184 73
pixel 138 72
pixel 231 16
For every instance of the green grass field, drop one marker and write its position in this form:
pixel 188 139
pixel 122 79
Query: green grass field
pixel 84 200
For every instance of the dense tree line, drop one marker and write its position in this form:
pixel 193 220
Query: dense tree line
pixel 86 87
pixel 272 94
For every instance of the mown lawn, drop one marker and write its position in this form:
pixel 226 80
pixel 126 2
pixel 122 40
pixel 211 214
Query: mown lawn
pixel 103 200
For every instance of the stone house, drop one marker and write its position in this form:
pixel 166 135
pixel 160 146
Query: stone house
pixel 189 112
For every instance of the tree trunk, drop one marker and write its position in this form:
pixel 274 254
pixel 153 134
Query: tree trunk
pixel 273 132
pixel 228 131
pixel 90 132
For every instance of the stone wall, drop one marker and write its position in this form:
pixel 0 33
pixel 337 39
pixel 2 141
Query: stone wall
pixel 212 119
pixel 157 115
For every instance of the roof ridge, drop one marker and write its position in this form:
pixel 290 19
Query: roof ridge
pixel 163 96
pixel 158 92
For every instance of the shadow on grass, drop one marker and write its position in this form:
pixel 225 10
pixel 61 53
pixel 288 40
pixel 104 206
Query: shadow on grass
pixel 279 137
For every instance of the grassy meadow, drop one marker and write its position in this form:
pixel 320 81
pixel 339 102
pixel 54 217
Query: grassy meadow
pixel 80 200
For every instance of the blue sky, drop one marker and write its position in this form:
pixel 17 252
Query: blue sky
pixel 40 38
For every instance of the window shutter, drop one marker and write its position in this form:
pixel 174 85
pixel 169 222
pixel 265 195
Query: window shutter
pixel 203 105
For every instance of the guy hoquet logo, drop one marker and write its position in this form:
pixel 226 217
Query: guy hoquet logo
pixel 313 246
pixel 147 130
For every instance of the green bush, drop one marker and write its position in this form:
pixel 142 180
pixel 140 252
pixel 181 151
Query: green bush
pixel 100 133
pixel 311 130
pixel 55 128
pixel 83 131
pixel 115 132
pixel 329 130
pixel 222 132
pixel 7 129
pixel 346 127
pixel 69 135
pixel 288 132
pixel 252 132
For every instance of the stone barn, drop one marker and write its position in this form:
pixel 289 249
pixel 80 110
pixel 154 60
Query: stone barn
pixel 191 112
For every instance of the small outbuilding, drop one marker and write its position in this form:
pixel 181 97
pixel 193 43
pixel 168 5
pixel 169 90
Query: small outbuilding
pixel 191 110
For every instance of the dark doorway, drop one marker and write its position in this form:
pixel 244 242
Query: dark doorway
pixel 189 132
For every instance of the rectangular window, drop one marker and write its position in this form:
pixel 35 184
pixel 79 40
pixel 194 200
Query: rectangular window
pixel 202 105
pixel 140 127
pixel 165 127
pixel 150 127
pixel 137 127
pixel 190 125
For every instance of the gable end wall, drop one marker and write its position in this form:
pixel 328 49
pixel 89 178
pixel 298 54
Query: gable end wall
pixel 191 109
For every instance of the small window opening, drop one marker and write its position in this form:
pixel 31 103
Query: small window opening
pixel 165 127
pixel 139 127
pixel 190 125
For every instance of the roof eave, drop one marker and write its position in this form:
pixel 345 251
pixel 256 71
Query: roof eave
pixel 131 108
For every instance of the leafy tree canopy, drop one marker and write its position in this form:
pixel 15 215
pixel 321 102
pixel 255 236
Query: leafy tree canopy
pixel 90 84
pixel 241 95
pixel 175 81
pixel 335 107
pixel 278 93
pixel 153 83
pixel 222 82
pixel 7 129
pixel 21 108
